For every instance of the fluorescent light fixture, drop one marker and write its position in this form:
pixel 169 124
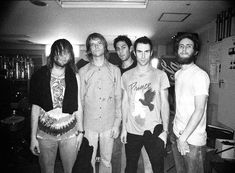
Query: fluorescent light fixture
pixel 103 3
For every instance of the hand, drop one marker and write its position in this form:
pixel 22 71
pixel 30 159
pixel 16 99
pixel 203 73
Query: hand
pixel 34 147
pixel 163 136
pixel 79 141
pixel 114 132
pixel 182 146
pixel 124 136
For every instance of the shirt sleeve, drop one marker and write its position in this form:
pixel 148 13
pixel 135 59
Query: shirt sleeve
pixel 201 83
pixel 117 97
pixel 82 85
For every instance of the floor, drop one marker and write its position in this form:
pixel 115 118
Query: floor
pixel 16 157
pixel 25 162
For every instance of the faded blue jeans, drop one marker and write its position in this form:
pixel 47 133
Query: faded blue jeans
pixel 48 152
pixel 106 148
pixel 192 162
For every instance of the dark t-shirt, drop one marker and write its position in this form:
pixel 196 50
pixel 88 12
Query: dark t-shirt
pixel 134 64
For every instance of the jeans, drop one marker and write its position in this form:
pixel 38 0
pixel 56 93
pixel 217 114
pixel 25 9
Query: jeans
pixel 106 148
pixel 192 162
pixel 153 145
pixel 48 151
pixel 146 161
pixel 119 158
pixel 117 155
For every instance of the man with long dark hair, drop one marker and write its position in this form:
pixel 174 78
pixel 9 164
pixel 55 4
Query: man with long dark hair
pixel 101 100
pixel 191 91
pixel 56 116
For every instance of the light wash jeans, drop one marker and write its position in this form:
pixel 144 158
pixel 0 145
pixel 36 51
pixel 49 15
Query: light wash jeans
pixel 106 148
pixel 192 162
pixel 48 151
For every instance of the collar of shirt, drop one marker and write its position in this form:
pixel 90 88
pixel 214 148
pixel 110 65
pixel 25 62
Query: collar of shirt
pixel 105 65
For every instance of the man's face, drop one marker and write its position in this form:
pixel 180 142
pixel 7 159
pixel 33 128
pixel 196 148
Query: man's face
pixel 186 53
pixel 143 54
pixel 123 51
pixel 62 60
pixel 97 47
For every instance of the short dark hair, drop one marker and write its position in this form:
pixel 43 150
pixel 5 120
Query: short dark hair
pixel 122 38
pixel 88 46
pixel 192 36
pixel 144 40
pixel 59 47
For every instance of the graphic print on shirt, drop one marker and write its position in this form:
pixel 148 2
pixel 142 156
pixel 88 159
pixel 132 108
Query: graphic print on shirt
pixel 57 86
pixel 148 98
pixel 142 101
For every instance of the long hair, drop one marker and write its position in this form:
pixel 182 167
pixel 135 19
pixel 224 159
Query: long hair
pixel 94 36
pixel 59 47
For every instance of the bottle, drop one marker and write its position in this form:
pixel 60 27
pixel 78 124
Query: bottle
pixel 31 66
pixel 13 113
pixel 28 71
pixel 5 65
pixel 22 71
pixel 17 67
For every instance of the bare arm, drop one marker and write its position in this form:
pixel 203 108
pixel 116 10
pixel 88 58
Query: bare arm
pixel 79 112
pixel 34 147
pixel 165 109
pixel 79 116
pixel 124 115
pixel 200 103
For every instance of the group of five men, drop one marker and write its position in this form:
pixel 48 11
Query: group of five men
pixel 129 103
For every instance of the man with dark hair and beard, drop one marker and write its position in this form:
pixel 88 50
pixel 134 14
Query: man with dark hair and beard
pixel 191 91
pixel 56 116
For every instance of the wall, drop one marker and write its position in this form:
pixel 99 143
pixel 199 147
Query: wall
pixel 207 36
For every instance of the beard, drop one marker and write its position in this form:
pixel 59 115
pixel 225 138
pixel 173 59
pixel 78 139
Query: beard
pixel 187 60
pixel 57 63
